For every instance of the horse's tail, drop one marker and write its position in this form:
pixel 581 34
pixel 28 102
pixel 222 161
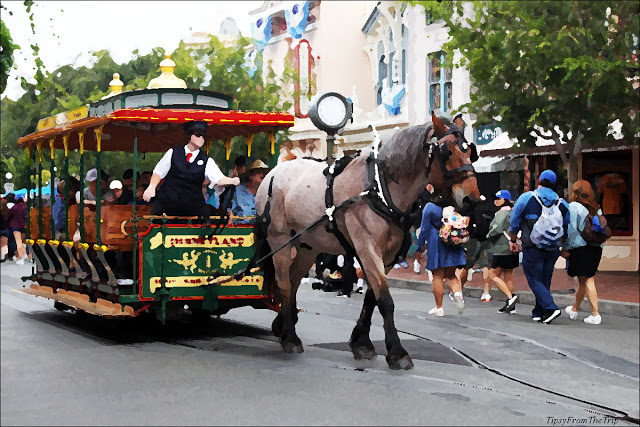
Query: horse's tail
pixel 262 247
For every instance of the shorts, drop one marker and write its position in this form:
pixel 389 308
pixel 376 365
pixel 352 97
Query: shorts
pixel 584 261
pixel 506 262
pixel 478 253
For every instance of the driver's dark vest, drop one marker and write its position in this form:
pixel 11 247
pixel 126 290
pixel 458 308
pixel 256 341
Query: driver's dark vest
pixel 181 192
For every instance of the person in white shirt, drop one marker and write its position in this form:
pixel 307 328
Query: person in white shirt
pixel 184 171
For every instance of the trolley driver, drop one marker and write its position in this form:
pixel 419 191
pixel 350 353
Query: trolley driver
pixel 184 170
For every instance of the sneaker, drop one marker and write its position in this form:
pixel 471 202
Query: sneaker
pixel 573 315
pixel 511 303
pixel 451 297
pixel 535 319
pixel 485 298
pixel 404 264
pixel 459 300
pixel 429 275
pixel 550 316
pixel 342 295
pixel 397 266
pixel 416 266
pixel 20 261
pixel 470 275
pixel 435 311
pixel 593 320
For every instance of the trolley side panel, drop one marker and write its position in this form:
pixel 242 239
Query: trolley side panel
pixel 187 258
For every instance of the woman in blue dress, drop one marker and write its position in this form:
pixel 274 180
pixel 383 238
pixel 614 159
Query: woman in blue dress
pixel 442 260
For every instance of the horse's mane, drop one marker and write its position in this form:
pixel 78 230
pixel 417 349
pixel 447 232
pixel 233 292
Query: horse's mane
pixel 401 151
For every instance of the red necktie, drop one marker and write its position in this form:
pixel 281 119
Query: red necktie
pixel 189 157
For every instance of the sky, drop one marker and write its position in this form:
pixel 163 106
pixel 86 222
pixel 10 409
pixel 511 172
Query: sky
pixel 67 30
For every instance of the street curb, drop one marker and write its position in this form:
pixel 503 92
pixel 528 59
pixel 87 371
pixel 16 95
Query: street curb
pixel 614 308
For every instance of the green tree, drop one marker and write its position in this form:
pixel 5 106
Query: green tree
pixel 6 55
pixel 560 70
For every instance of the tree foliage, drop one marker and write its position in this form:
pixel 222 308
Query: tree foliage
pixel 560 70
pixel 216 66
pixel 6 56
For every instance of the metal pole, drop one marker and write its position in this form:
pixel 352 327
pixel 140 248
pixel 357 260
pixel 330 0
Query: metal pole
pixel 28 152
pixel 39 147
pixel 67 182
pixel 330 143
pixel 81 204
pixel 135 213
pixel 52 170
pixel 98 135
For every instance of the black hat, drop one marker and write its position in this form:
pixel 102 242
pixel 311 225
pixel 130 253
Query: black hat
pixel 128 174
pixel 240 161
pixel 195 126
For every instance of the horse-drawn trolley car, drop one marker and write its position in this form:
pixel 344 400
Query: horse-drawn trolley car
pixel 171 259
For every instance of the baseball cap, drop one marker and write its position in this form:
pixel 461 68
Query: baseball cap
pixel 115 185
pixel 92 175
pixel 549 175
pixel 503 194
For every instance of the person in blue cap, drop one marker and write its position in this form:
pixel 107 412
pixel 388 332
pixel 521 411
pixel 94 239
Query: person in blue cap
pixel 543 218
pixel 184 170
pixel 504 260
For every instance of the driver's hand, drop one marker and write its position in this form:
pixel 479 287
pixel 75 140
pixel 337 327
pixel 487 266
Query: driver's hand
pixel 235 181
pixel 149 193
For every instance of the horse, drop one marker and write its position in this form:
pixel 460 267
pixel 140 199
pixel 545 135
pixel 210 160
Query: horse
pixel 378 190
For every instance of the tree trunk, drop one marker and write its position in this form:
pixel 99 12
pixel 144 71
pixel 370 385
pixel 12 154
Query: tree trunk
pixel 572 171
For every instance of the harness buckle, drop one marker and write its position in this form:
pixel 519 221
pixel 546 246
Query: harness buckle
pixel 329 212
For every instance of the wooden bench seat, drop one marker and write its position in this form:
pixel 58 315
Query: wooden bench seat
pixel 110 229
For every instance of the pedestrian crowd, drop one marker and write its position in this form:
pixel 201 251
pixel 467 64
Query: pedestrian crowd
pixel 534 230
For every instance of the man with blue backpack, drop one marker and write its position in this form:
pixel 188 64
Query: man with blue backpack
pixel 543 218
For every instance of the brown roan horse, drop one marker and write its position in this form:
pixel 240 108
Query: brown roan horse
pixel 433 153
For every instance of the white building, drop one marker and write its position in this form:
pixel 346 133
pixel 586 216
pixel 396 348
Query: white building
pixel 385 56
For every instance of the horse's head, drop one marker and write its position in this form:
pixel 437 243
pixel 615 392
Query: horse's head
pixel 449 163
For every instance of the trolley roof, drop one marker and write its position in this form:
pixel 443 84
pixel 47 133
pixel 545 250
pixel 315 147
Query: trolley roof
pixel 155 116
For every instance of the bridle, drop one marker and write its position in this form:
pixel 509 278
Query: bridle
pixel 442 152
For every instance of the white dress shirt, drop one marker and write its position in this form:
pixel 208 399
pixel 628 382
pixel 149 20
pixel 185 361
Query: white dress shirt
pixel 212 172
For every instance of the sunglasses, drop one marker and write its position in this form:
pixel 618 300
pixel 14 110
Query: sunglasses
pixel 198 134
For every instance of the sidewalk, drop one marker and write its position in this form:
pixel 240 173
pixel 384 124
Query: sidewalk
pixel 618 292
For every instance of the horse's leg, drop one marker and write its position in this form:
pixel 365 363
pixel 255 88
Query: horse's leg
pixel 288 338
pixel 301 264
pixel 360 343
pixel 299 267
pixel 373 268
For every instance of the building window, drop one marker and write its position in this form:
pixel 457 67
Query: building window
pixel 405 42
pixel 440 89
pixel 314 11
pixel 278 24
pixel 382 72
pixel 304 84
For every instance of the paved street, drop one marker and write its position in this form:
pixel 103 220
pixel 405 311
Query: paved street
pixel 479 368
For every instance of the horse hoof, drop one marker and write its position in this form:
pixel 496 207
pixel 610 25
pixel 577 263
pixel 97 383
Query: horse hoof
pixel 290 347
pixel 364 353
pixel 403 363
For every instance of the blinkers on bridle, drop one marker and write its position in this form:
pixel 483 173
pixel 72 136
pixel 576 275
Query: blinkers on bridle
pixel 443 153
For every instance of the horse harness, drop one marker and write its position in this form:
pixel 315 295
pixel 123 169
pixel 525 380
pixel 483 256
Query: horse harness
pixel 376 193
